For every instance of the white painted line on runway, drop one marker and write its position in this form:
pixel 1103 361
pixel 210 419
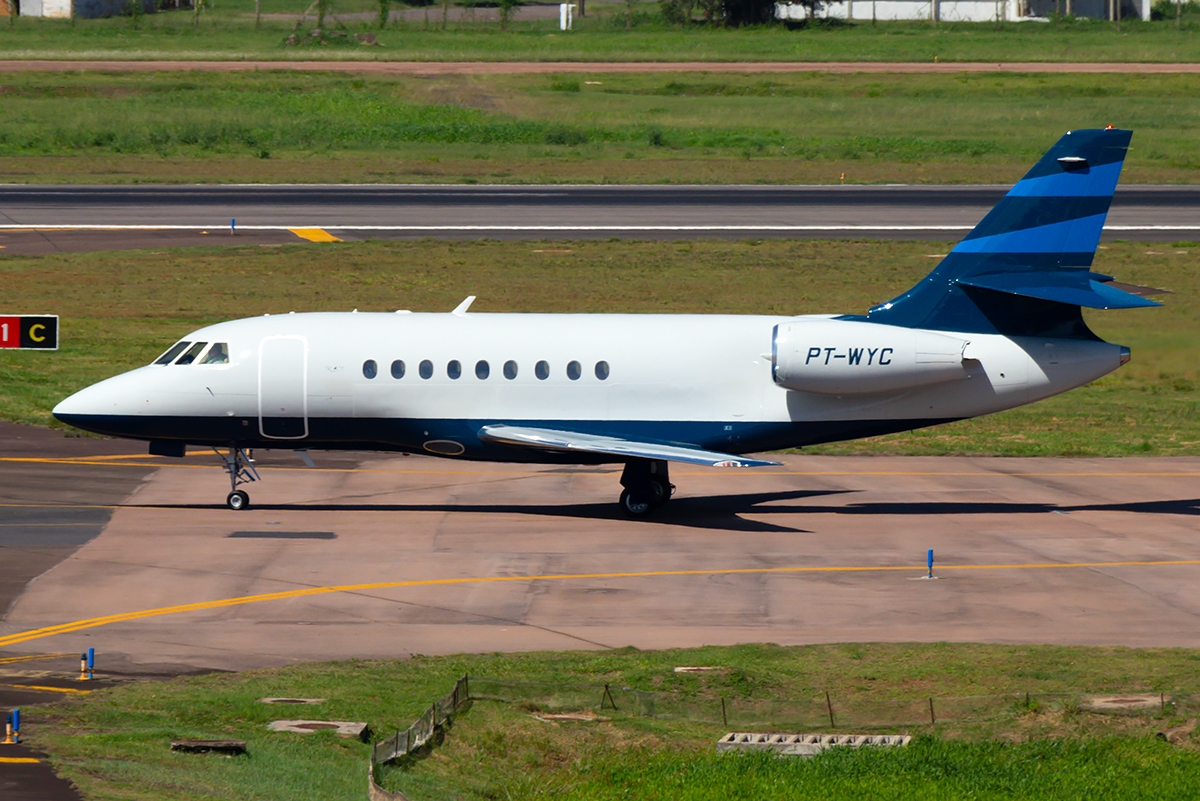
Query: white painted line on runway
pixel 494 227
pixel 799 228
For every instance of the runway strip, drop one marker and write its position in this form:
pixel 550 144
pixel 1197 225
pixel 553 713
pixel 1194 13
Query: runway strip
pixel 317 234
pixel 96 622
pixel 38 219
pixel 597 67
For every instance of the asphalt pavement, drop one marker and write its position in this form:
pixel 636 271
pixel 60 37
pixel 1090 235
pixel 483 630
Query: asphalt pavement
pixel 46 215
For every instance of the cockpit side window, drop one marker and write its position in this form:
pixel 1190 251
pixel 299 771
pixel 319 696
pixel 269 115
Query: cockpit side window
pixel 217 354
pixel 192 353
pixel 170 355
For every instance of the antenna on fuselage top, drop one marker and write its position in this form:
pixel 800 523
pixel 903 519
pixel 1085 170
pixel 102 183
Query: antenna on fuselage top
pixel 461 308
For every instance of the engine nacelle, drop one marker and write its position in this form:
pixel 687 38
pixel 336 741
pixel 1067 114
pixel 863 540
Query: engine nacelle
pixel 850 357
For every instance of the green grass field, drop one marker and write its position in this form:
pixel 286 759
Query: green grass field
pixel 120 310
pixel 227 31
pixel 680 128
pixel 114 743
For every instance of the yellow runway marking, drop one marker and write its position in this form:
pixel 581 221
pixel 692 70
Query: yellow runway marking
pixel 223 603
pixel 12 660
pixel 55 506
pixel 42 689
pixel 19 760
pixel 314 234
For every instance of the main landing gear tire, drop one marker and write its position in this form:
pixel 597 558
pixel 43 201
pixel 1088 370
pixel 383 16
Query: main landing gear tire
pixel 639 505
pixel 635 506
pixel 238 500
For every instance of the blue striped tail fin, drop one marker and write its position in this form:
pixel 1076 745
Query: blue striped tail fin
pixel 1025 268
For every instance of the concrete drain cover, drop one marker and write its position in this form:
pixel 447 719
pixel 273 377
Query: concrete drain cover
pixel 1126 702
pixel 343 728
pixel 291 700
pixel 804 744
pixel 552 717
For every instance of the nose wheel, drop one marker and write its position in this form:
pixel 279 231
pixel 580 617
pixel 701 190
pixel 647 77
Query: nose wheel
pixel 240 468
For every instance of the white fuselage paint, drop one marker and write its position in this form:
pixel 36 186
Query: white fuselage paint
pixel 663 369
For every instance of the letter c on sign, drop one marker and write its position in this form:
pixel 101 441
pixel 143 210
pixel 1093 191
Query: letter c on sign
pixel 885 350
pixel 33 332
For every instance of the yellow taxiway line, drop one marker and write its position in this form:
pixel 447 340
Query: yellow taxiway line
pixel 222 603
pixel 42 689
pixel 19 761
pixel 12 660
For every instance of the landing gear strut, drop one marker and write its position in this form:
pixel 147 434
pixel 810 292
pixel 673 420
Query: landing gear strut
pixel 240 468
pixel 647 487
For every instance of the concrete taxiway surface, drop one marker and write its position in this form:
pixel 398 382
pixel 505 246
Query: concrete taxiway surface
pixel 401 555
pixel 159 215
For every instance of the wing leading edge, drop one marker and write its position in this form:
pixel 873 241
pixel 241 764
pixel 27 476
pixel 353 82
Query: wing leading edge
pixel 551 440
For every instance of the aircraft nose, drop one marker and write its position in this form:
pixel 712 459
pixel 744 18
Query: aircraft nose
pixel 97 408
pixel 69 407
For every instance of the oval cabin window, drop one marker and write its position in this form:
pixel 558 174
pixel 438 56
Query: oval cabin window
pixel 542 370
pixel 510 370
pixel 602 370
pixel 454 369
pixel 397 369
pixel 425 368
pixel 574 370
pixel 482 370
pixel 370 370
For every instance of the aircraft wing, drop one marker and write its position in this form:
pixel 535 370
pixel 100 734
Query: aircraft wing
pixel 552 440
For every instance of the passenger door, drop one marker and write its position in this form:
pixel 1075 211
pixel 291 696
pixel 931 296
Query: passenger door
pixel 283 387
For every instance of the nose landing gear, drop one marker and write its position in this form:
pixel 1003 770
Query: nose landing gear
pixel 240 468
pixel 647 487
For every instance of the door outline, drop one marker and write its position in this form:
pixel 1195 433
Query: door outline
pixel 303 385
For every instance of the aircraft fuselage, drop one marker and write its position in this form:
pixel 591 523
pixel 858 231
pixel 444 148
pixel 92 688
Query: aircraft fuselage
pixel 421 382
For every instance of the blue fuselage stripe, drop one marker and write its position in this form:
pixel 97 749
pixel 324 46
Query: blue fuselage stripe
pixel 411 435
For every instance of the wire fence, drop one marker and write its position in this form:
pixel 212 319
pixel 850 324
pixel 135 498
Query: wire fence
pixel 826 712
pixel 415 737
pixel 823 712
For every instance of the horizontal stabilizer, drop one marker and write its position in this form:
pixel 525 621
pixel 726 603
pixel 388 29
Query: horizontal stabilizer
pixel 552 440
pixel 1074 287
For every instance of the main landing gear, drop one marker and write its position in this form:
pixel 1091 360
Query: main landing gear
pixel 240 468
pixel 647 487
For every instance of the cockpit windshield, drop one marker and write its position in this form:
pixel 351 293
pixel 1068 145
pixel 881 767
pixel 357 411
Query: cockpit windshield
pixel 192 353
pixel 174 351
pixel 217 354
pixel 195 353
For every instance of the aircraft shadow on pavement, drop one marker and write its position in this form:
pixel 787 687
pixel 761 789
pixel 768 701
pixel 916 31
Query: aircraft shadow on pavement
pixel 724 512
pixel 931 508
pixel 721 512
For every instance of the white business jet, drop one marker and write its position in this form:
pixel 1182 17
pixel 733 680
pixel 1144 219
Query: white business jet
pixel 996 325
